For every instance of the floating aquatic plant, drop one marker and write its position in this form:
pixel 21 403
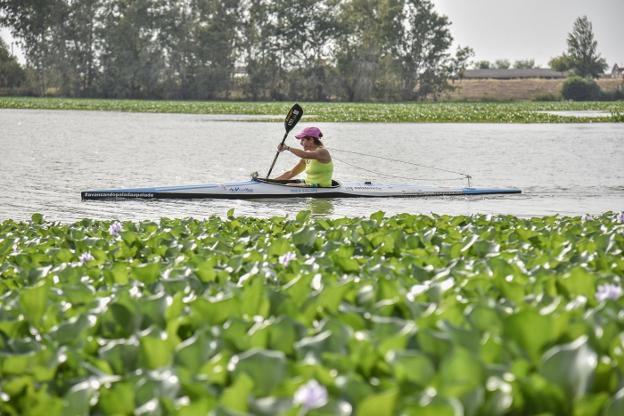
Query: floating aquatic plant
pixel 404 314
pixel 432 112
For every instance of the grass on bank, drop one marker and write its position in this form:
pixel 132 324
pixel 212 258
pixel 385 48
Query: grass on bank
pixel 522 112
pixel 523 89
pixel 378 316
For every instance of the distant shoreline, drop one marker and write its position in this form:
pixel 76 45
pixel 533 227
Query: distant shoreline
pixel 528 89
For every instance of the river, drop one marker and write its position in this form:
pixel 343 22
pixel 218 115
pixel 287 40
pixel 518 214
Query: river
pixel 48 157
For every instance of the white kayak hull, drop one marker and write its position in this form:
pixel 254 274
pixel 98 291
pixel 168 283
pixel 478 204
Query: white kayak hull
pixel 259 188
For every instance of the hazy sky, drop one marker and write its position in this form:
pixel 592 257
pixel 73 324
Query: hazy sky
pixel 6 36
pixel 532 29
pixel 526 29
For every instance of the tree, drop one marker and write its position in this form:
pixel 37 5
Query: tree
pixel 308 30
pixel 582 55
pixel 76 47
pixel 367 51
pixel 459 62
pixel 424 57
pixel 560 63
pixel 483 64
pixel 524 64
pixel 216 32
pixel 502 64
pixel 132 63
pixel 580 89
pixel 582 49
pixel 303 49
pixel 11 73
pixel 36 23
pixel 262 51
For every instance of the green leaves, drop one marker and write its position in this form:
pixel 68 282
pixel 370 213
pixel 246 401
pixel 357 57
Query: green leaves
pixel 236 397
pixel 37 219
pixel 579 282
pixel 616 405
pixel 411 366
pixel 517 112
pixel 254 300
pixel 118 399
pixel 531 331
pixel 460 373
pixel 155 352
pixel 392 315
pixel 266 369
pixel 381 404
pixel 570 366
pixel 33 302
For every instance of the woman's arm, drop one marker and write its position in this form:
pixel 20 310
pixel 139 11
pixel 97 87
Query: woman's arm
pixel 289 174
pixel 322 155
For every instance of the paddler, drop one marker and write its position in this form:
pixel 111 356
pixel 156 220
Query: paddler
pixel 315 159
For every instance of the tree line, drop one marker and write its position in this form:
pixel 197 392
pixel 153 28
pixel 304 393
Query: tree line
pixel 505 64
pixel 350 50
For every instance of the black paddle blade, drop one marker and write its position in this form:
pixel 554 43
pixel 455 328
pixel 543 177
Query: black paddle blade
pixel 293 116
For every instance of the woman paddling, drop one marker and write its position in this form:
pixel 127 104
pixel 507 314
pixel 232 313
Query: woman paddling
pixel 315 159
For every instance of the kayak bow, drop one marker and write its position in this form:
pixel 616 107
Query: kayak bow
pixel 271 188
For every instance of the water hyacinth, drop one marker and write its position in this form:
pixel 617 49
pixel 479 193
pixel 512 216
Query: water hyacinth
pixel 389 312
pixel 518 112
pixel 587 217
pixel 620 217
pixel 311 395
pixel 85 257
pixel 287 258
pixel 115 229
pixel 608 291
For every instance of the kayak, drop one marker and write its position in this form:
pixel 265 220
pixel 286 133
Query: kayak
pixel 272 188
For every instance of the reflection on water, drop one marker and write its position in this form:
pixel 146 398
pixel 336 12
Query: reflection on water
pixel 322 207
pixel 48 157
pixel 281 206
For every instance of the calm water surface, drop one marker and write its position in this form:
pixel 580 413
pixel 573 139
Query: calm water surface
pixel 48 157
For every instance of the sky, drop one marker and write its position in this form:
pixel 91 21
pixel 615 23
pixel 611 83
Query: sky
pixel 8 39
pixel 522 29
pixel 532 29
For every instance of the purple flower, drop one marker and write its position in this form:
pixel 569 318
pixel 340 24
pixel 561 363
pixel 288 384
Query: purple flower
pixel 620 217
pixel 115 229
pixel 287 258
pixel 608 291
pixel 85 257
pixel 311 395
pixel 587 217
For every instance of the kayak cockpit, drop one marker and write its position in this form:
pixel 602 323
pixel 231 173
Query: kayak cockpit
pixel 294 182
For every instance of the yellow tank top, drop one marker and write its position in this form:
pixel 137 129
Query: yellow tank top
pixel 318 173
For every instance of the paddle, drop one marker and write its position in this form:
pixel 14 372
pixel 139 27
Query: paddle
pixel 292 118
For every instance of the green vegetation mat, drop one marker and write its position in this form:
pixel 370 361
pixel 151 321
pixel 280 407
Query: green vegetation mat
pixel 410 315
pixel 525 112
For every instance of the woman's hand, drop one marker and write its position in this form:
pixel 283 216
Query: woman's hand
pixel 281 147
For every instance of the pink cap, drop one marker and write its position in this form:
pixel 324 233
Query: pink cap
pixel 310 132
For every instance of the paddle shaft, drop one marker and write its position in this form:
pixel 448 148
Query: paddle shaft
pixel 276 156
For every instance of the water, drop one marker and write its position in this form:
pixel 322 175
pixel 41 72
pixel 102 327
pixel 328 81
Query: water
pixel 48 157
pixel 579 113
